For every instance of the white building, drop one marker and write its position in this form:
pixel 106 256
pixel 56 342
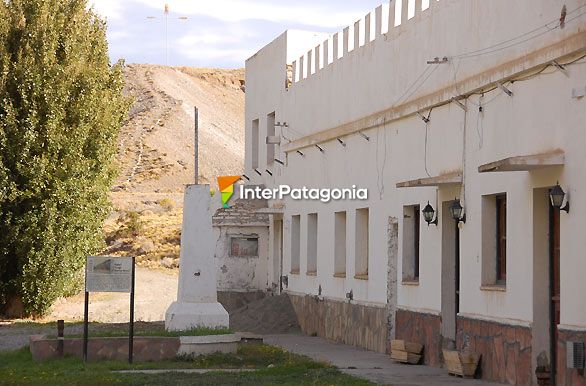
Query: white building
pixel 477 100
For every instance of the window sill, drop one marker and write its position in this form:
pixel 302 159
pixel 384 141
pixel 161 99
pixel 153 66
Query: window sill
pixel 411 282
pixel 294 272
pixel 311 273
pixel 494 287
pixel 340 275
pixel 361 277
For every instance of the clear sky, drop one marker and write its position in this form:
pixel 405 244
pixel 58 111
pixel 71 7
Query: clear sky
pixel 217 33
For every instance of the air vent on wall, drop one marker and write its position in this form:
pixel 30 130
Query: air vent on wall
pixel 575 355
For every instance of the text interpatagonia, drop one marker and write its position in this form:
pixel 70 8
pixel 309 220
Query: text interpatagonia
pixel 324 195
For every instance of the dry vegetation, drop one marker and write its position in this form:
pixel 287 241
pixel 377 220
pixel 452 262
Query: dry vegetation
pixel 156 150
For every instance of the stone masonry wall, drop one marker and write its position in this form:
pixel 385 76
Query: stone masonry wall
pixel 565 376
pixel 144 348
pixel 505 349
pixel 342 322
pixel 424 329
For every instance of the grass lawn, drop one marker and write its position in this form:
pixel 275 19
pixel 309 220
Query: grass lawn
pixel 157 331
pixel 110 330
pixel 274 365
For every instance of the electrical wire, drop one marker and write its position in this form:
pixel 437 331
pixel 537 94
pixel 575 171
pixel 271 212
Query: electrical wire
pixel 406 96
pixel 426 74
pixel 427 122
pixel 380 174
pixel 479 121
pixel 489 49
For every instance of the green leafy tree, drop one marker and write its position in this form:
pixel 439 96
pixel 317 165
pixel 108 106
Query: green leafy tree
pixel 61 108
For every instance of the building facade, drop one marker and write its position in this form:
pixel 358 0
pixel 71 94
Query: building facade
pixel 468 102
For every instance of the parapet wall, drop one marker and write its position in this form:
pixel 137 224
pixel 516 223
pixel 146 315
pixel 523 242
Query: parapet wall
pixel 387 58
pixel 383 20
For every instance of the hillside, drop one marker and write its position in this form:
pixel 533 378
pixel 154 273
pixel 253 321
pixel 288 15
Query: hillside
pixel 156 153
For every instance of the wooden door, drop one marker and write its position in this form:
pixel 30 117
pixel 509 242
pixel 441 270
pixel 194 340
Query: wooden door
pixel 457 267
pixel 555 283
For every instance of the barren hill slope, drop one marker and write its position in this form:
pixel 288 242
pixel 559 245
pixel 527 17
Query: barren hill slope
pixel 156 153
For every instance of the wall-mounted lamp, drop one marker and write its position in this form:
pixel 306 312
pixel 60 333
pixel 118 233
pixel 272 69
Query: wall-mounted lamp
pixel 429 214
pixel 557 195
pixel 458 211
pixel 350 295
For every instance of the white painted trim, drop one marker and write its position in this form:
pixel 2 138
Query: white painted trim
pixel 510 322
pixel 419 310
pixel 207 339
pixel 569 327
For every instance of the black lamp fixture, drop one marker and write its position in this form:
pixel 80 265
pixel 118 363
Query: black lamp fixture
pixel 457 211
pixel 429 214
pixel 557 196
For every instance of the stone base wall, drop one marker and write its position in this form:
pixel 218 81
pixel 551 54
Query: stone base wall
pixel 145 349
pixel 565 376
pixel 421 328
pixel 505 349
pixel 342 322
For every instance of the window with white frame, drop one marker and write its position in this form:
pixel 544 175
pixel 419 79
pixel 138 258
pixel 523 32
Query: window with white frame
pixel 494 239
pixel 361 243
pixel 312 244
pixel 295 243
pixel 340 244
pixel 411 242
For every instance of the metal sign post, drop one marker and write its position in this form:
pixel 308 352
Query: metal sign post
pixel 131 329
pixel 109 274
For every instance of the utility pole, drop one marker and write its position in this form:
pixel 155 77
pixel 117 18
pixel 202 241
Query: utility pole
pixel 166 21
pixel 167 34
pixel 196 143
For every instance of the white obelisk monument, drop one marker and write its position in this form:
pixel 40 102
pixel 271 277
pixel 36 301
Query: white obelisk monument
pixel 197 302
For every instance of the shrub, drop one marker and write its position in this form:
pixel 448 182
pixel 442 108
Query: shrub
pixel 131 225
pixel 167 204
pixel 61 109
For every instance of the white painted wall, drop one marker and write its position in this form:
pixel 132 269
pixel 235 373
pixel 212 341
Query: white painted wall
pixel 541 116
pixel 242 274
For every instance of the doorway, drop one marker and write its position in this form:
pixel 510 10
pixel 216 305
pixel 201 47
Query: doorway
pixel 450 276
pixel 278 254
pixel 554 285
pixel 546 284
